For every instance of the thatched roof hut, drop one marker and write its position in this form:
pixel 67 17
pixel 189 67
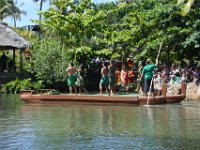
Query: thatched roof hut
pixel 10 39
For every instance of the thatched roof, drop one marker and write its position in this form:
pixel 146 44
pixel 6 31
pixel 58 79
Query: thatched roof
pixel 10 39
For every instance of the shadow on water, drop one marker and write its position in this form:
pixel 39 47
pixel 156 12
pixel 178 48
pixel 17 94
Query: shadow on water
pixel 10 100
pixel 33 126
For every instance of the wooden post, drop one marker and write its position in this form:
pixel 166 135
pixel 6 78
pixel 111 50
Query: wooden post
pixel 168 61
pixel 21 61
pixel 14 65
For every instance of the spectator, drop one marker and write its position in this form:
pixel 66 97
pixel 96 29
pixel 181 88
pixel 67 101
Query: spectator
pixel 3 62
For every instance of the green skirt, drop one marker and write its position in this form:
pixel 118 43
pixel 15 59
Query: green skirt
pixel 71 80
pixel 104 81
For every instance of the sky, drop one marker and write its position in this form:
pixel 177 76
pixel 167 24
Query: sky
pixel 31 8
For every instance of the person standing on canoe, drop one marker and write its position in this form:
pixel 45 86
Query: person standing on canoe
pixel 71 71
pixel 80 80
pixel 147 74
pixel 112 77
pixel 124 76
pixel 139 82
pixel 104 78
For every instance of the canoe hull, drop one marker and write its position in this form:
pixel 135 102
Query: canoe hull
pixel 175 98
pixel 151 100
pixel 30 96
pixel 62 99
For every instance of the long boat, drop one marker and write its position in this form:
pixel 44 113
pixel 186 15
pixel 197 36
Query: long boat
pixel 119 99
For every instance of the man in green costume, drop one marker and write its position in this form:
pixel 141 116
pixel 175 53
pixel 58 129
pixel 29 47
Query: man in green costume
pixel 71 71
pixel 147 74
pixel 104 78
pixel 112 77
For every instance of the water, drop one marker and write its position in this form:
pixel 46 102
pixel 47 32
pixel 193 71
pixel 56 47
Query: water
pixel 36 127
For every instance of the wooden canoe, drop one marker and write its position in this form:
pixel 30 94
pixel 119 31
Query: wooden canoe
pixel 27 96
pixel 31 96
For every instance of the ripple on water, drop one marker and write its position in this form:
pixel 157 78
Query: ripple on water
pixel 91 127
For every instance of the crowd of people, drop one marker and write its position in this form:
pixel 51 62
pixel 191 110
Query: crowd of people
pixel 174 76
pixel 177 74
pixel 111 76
pixel 149 76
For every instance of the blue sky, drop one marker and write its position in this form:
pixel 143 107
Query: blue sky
pixel 31 8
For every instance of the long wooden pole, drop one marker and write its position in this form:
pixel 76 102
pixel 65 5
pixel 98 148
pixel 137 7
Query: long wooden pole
pixel 159 51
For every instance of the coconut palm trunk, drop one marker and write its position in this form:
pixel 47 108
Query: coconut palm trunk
pixel 40 7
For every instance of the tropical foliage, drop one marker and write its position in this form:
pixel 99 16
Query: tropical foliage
pixel 117 30
pixel 48 62
pixel 17 85
pixel 8 8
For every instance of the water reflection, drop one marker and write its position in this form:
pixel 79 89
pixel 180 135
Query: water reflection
pixel 27 126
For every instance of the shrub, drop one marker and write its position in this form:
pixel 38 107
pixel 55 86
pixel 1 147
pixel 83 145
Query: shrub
pixel 17 85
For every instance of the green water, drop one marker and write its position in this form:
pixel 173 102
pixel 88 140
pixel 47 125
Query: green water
pixel 41 127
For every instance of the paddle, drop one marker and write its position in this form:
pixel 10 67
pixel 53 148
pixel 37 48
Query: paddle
pixel 159 52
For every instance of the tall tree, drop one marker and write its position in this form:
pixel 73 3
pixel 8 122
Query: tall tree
pixel 40 7
pixel 17 12
pixel 17 15
pixel 9 9
pixel 6 7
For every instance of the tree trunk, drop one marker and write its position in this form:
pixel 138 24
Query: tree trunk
pixel 15 23
pixel 41 3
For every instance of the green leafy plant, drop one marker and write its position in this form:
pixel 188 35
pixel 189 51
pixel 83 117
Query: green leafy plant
pixel 49 61
pixel 17 85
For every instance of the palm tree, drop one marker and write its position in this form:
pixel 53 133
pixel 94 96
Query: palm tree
pixel 16 14
pixel 9 9
pixel 41 5
pixel 6 7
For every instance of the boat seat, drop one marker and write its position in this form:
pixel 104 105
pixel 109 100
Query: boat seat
pixel 27 92
pixel 43 91
pixel 183 88
pixel 176 89
pixel 162 91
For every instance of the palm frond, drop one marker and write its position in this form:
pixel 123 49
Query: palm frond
pixel 187 7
